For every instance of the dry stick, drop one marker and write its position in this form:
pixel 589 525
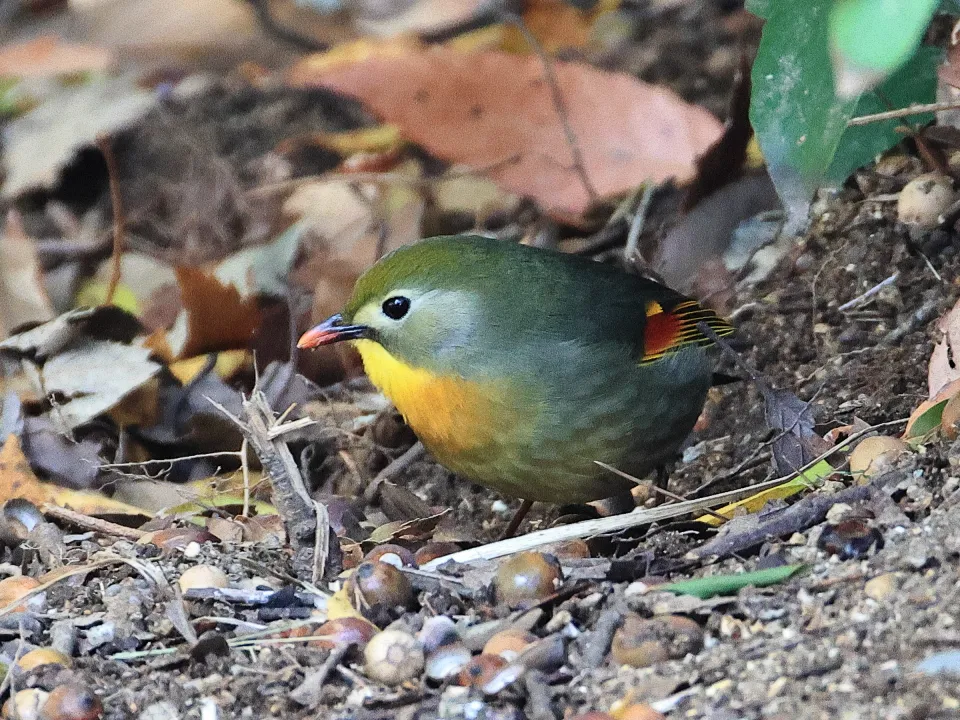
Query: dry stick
pixel 90 523
pixel 559 104
pixel 414 453
pixel 601 526
pixel 655 488
pixel 850 304
pixel 903 112
pixel 301 515
pixel 106 149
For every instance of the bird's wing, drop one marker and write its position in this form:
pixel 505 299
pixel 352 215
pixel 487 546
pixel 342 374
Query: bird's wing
pixel 673 325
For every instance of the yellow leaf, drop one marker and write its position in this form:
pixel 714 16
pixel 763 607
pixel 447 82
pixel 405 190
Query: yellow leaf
pixel 17 480
pixel 228 362
pixel 380 139
pixel 94 292
pixel 755 503
pixel 338 606
pixel 351 53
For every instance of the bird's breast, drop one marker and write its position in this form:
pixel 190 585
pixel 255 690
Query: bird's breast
pixel 458 420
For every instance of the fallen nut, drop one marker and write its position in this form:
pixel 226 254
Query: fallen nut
pixel 392 657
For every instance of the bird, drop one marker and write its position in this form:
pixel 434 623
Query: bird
pixel 523 369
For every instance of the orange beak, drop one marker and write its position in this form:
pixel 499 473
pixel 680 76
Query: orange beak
pixel 332 330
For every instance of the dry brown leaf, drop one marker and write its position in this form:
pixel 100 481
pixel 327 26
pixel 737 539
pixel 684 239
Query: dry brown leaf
pixel 23 298
pixel 493 111
pixel 215 316
pixel 556 24
pixel 17 480
pixel 944 366
pixel 48 56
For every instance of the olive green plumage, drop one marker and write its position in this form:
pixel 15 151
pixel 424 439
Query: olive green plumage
pixel 565 338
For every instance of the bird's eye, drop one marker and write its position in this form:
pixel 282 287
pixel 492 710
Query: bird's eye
pixel 396 307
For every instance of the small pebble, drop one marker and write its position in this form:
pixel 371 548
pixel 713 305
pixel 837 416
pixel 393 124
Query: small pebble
pixel 880 587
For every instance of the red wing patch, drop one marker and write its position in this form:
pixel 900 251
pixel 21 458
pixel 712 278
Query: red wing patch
pixel 669 330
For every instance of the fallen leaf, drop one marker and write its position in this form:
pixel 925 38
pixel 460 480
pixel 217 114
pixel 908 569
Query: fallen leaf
pixel 556 24
pixel 22 296
pixel 797 444
pixel 805 481
pixel 88 380
pixel 17 480
pixel 49 55
pixel 214 317
pixel 944 367
pixel 927 415
pixel 707 587
pixel 494 112
pixel 39 143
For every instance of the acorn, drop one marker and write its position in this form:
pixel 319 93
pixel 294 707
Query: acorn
pixel 71 702
pixel 923 199
pixel 345 631
pixel 527 578
pixel 395 555
pixel 42 656
pixel 437 631
pixel 393 657
pixel 509 643
pixel 17 586
pixel 850 539
pixel 875 455
pixel 639 711
pixel 447 661
pixel 25 705
pixel 481 670
pixel 641 643
pixel 434 550
pixel 378 585
pixel 203 577
pixel 575 549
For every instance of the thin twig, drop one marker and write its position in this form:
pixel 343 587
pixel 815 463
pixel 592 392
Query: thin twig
pixel 414 453
pixel 119 223
pixel 559 104
pixel 655 488
pixel 636 225
pixel 245 467
pixel 90 523
pixel 869 293
pixel 903 112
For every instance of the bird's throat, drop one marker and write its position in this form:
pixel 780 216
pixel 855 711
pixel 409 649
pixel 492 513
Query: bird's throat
pixel 453 417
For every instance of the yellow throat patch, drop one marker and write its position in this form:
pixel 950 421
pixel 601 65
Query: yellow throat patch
pixel 452 416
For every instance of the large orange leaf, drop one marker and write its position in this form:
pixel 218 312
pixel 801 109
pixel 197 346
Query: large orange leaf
pixel 494 111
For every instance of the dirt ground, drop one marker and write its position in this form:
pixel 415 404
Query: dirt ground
pixel 840 640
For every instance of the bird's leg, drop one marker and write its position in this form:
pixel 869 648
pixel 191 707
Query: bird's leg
pixel 518 517
pixel 661 479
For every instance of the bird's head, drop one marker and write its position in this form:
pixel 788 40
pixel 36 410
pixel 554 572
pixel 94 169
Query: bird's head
pixel 415 304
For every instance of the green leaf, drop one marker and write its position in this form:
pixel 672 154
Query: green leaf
pixel 800 122
pixel 914 83
pixel 729 584
pixel 878 36
pixel 929 421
